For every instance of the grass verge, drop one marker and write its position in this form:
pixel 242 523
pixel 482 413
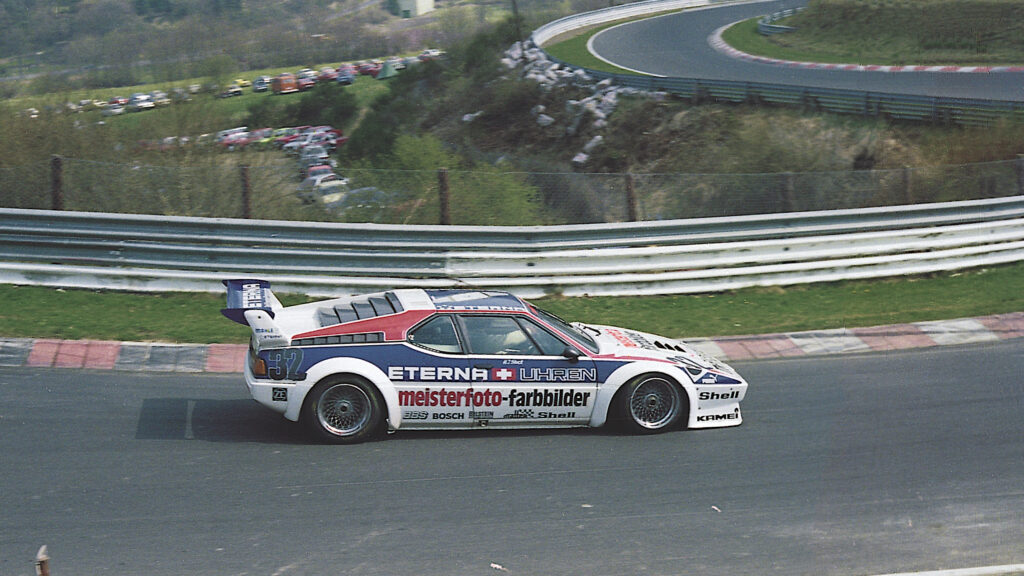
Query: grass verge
pixel 572 47
pixel 881 49
pixel 743 36
pixel 38 312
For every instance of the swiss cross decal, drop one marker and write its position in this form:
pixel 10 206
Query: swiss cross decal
pixel 503 374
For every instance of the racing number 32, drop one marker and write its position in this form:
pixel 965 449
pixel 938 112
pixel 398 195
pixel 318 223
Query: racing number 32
pixel 284 364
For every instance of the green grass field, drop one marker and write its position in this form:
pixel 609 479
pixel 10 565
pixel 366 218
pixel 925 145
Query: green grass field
pixel 897 32
pixel 37 312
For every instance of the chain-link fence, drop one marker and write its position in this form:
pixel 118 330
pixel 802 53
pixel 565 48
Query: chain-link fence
pixel 267 187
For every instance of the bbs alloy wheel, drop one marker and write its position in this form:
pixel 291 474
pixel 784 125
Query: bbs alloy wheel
pixel 345 411
pixel 652 404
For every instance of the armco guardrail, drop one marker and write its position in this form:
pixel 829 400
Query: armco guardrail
pixel 943 110
pixel 682 256
pixel 767 26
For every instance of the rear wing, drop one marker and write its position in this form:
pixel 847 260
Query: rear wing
pixel 245 295
pixel 250 302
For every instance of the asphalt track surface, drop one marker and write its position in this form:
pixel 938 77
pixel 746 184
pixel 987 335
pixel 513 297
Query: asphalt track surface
pixel 676 45
pixel 851 464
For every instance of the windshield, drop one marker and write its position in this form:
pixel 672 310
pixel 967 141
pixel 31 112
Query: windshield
pixel 579 336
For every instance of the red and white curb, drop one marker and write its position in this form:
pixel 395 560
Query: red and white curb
pixel 716 42
pixel 230 358
pixel 874 339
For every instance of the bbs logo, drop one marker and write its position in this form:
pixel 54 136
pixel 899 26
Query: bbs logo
pixel 415 415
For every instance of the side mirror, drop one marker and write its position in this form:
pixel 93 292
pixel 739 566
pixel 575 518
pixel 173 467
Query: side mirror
pixel 572 354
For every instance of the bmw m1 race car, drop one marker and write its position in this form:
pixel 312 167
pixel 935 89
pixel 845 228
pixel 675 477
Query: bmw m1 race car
pixel 352 368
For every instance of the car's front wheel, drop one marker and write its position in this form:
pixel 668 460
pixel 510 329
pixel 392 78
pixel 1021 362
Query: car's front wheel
pixel 650 404
pixel 344 411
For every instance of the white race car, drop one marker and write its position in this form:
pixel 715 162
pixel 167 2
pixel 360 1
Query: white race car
pixel 352 368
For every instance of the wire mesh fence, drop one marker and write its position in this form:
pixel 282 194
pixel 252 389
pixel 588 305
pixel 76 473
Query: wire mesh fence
pixel 266 187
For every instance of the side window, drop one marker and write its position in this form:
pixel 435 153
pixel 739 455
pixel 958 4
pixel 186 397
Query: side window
pixel 437 334
pixel 497 335
pixel 549 344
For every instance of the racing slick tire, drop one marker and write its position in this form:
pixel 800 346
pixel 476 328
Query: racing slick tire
pixel 649 404
pixel 344 410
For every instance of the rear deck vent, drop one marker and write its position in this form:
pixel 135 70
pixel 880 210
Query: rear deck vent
pixel 366 338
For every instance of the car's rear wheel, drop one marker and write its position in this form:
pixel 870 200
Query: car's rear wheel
pixel 344 411
pixel 650 404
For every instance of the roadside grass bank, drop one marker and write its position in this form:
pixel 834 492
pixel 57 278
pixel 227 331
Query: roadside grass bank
pixel 40 312
pixel 950 32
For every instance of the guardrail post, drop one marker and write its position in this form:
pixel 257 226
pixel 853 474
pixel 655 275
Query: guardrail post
pixel 631 208
pixel 444 195
pixel 1018 167
pixel 246 197
pixel 56 183
pixel 908 189
pixel 789 192
pixel 700 95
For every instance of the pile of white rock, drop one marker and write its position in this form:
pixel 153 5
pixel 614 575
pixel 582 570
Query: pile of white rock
pixel 589 114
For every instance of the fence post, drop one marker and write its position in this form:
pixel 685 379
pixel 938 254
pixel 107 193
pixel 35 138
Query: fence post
pixel 632 213
pixel 444 196
pixel 56 183
pixel 246 196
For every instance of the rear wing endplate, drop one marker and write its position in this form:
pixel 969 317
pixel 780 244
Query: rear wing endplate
pixel 249 294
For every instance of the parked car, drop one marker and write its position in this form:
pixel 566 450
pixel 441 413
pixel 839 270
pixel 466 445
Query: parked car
pixel 252 138
pixel 367 198
pixel 241 82
pixel 306 84
pixel 261 84
pixel 235 141
pixel 295 144
pixel 346 74
pixel 327 74
pixel 314 188
pixel 371 68
pixel 266 137
pixel 430 54
pixel 316 170
pixel 160 98
pixel 118 101
pixel 139 102
pixel 313 156
pixel 329 140
pixel 291 134
pixel 351 368
pixel 112 110
pixel 284 83
pixel 232 90
pixel 229 133
pixel 331 190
